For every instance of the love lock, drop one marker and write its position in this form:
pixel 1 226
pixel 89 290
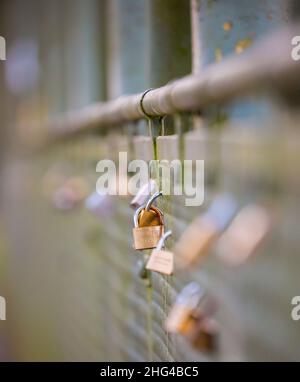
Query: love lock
pixel 191 317
pixel 143 194
pixel 161 261
pixel 148 225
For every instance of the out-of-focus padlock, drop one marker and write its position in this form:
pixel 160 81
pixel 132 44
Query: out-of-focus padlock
pixel 100 205
pixel 198 238
pixel 244 234
pixel 148 225
pixel 143 194
pixel 181 316
pixel 191 317
pixel 70 194
pixel 204 336
pixel 161 261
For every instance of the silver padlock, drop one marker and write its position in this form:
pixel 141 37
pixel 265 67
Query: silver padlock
pixel 143 194
pixel 100 205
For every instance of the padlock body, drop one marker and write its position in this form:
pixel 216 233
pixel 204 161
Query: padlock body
pixel 194 243
pixel 147 237
pixel 161 261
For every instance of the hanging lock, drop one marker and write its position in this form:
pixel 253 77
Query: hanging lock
pixel 181 316
pixel 161 261
pixel 244 235
pixel 148 225
pixel 143 194
pixel 100 205
pixel 70 194
pixel 198 238
pixel 190 317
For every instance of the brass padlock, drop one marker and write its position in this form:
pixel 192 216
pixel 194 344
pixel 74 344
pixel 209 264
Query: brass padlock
pixel 161 261
pixel 244 235
pixel 182 315
pixel 191 318
pixel 148 225
pixel 197 239
pixel 70 194
pixel 204 335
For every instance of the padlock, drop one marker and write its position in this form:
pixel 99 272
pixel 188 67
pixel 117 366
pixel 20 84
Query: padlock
pixel 148 225
pixel 198 238
pixel 143 194
pixel 161 261
pixel 191 317
pixel 148 228
pixel 204 335
pixel 244 235
pixel 70 194
pixel 182 315
pixel 100 205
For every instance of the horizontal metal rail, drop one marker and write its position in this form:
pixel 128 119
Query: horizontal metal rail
pixel 268 65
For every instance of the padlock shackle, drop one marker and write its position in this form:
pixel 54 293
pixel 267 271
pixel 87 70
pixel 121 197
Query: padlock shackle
pixel 136 216
pixel 146 206
pixel 162 240
pixel 152 199
pixel 140 209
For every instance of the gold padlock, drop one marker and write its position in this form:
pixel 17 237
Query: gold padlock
pixel 182 315
pixel 191 318
pixel 148 225
pixel 197 239
pixel 204 335
pixel 244 235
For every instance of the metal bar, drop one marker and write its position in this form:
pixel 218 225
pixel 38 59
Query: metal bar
pixel 267 65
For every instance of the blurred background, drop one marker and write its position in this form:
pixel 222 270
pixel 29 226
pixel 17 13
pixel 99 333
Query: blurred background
pixel 70 278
